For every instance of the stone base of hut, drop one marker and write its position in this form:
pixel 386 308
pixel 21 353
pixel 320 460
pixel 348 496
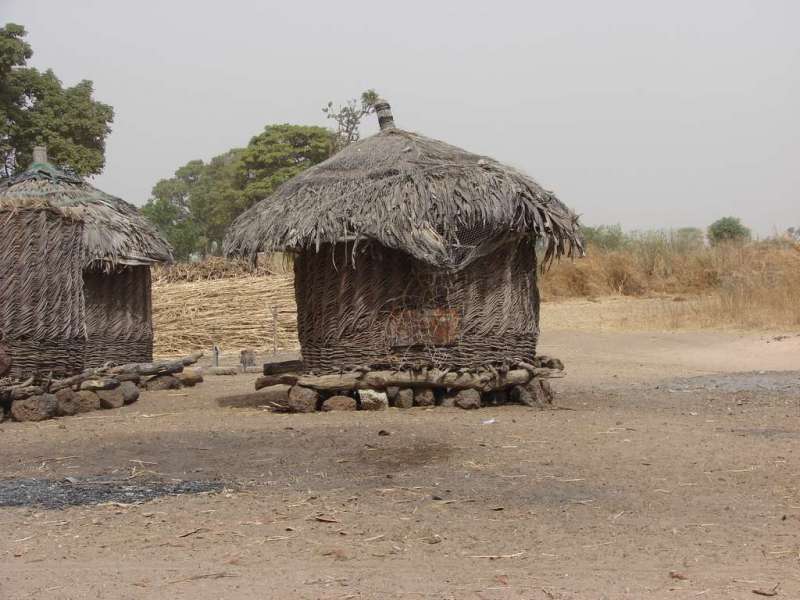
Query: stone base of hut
pixel 520 383
pixel 37 399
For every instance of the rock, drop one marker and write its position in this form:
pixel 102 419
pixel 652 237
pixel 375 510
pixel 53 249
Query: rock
pixel 111 398
pixel 35 408
pixel 101 383
pixel 404 398
pixel 554 363
pixel 162 382
pixel 468 399
pixel 275 397
pixel 391 393
pixel 190 377
pixel 449 401
pixel 339 403
pixel 268 380
pixel 373 400
pixel 88 401
pixel 302 399
pixel 536 393
pixel 130 393
pixel 68 402
pixel 224 370
pixel 424 397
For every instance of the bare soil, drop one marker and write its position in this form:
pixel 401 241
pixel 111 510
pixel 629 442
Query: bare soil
pixel 670 469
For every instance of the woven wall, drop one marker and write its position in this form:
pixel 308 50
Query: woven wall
pixel 41 292
pixel 394 311
pixel 119 316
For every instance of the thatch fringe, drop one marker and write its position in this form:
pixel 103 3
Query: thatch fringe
pixel 438 203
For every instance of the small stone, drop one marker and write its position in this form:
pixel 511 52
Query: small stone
pixel 404 398
pixel 391 393
pixel 111 398
pixel 68 402
pixel 553 363
pixel 373 400
pixel 449 401
pixel 424 397
pixel 130 393
pixel 35 408
pixel 190 377
pixel 468 399
pixel 162 382
pixel 88 401
pixel 303 399
pixel 104 383
pixel 339 403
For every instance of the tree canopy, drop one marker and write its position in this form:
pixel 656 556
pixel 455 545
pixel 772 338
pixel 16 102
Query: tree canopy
pixel 35 108
pixel 727 229
pixel 194 208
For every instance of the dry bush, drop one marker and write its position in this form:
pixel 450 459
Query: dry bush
pixel 752 285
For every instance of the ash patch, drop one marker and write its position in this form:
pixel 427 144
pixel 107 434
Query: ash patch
pixel 754 381
pixel 61 493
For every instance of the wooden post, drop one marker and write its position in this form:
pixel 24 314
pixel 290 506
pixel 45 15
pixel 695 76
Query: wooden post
pixel 274 329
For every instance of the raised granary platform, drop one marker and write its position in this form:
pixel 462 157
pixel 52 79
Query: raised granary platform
pixel 286 390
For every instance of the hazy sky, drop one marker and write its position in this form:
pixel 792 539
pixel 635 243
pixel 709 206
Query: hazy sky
pixel 643 113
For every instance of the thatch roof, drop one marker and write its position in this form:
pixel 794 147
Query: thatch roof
pixel 438 203
pixel 114 232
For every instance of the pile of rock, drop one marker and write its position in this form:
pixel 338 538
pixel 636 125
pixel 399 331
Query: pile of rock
pixel 520 383
pixel 106 387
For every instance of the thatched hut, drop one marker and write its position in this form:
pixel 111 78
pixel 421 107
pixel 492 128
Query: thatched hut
pixel 410 253
pixel 74 274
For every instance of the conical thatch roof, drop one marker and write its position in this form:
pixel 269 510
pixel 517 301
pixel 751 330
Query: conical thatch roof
pixel 438 203
pixel 114 232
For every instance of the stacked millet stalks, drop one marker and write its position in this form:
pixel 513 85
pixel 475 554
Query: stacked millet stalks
pixel 39 398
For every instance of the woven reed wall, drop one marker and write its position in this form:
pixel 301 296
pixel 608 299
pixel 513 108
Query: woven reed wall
pixel 119 316
pixel 41 292
pixel 348 317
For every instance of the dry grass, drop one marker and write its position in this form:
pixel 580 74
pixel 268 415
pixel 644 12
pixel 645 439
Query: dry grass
pixel 749 286
pixel 756 286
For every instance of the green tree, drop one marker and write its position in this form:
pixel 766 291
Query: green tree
pixel 605 237
pixel 195 207
pixel 349 116
pixel 278 154
pixel 35 109
pixel 727 229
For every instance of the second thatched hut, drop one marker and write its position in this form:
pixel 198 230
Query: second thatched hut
pixel 411 254
pixel 74 275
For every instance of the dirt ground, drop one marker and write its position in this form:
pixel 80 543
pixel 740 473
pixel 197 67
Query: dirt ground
pixel 671 469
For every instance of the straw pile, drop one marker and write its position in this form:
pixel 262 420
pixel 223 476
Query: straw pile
pixel 234 313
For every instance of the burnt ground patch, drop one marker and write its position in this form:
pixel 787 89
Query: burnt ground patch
pixel 61 493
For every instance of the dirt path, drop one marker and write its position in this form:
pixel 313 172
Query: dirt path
pixel 654 468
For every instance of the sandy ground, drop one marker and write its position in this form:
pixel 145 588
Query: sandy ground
pixel 659 476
